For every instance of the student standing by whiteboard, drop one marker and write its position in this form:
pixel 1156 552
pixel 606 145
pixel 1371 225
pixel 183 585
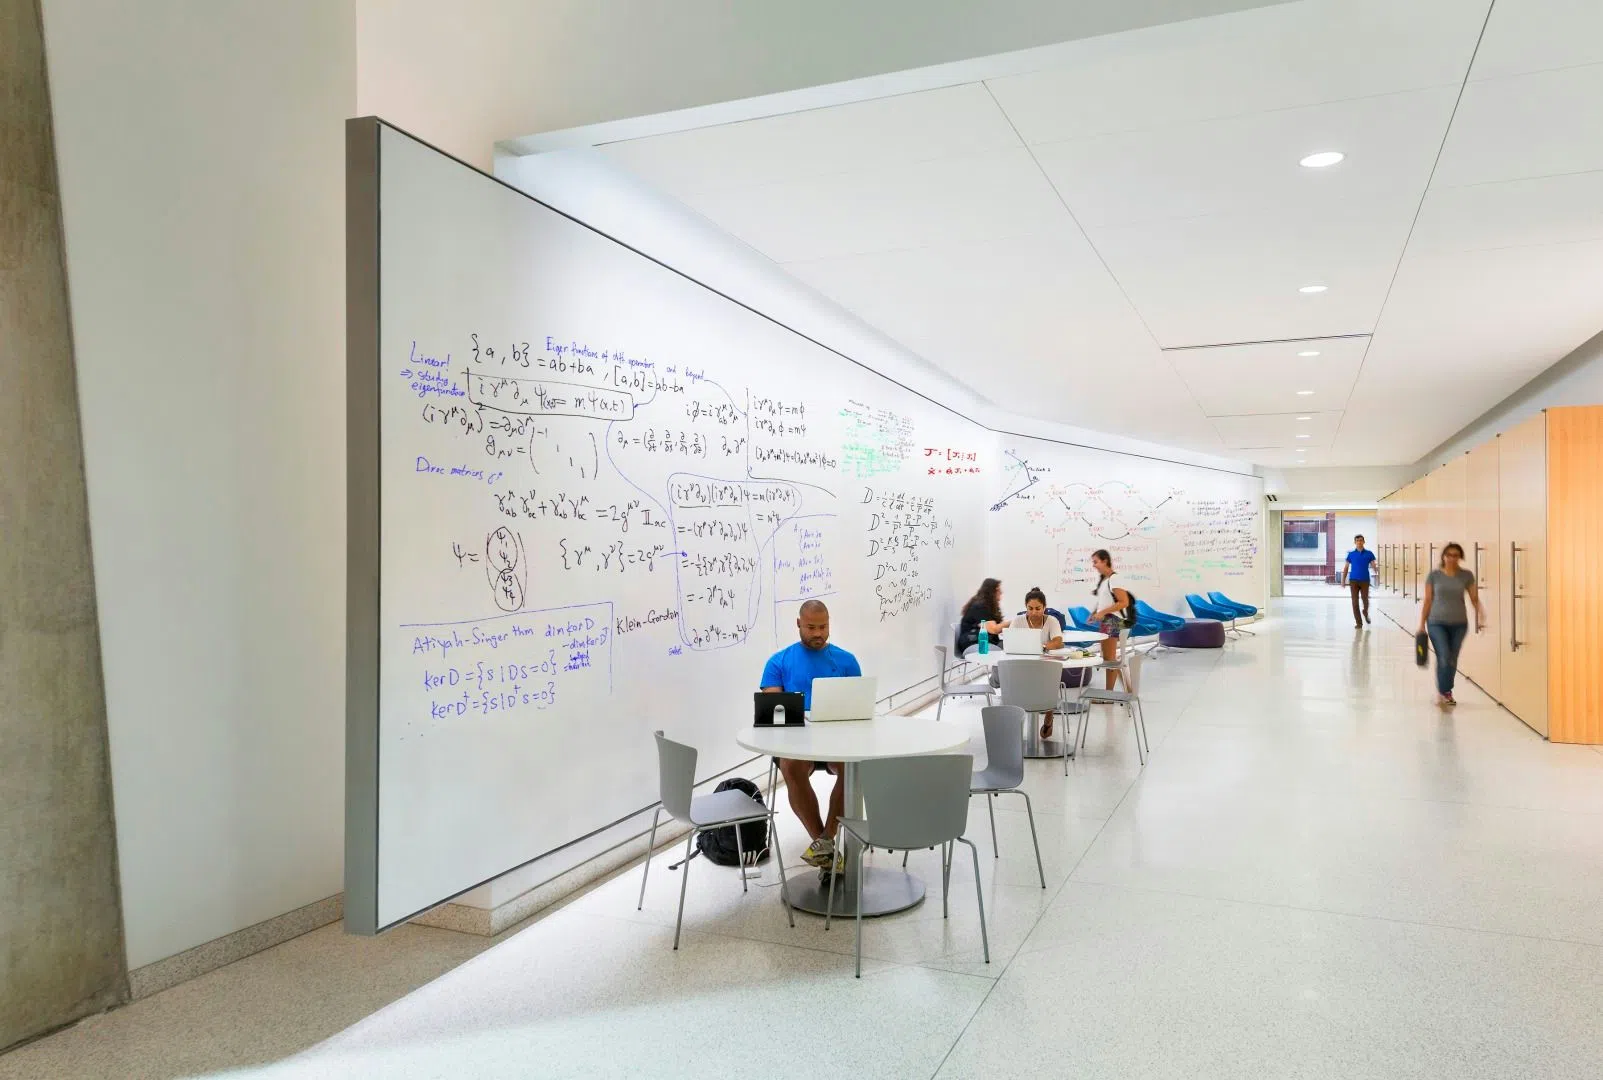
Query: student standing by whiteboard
pixel 1109 604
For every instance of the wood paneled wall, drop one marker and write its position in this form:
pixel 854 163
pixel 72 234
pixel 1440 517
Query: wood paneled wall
pixel 1575 574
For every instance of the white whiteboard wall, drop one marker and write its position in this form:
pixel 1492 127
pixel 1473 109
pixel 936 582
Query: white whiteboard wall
pixel 604 490
pixel 1171 529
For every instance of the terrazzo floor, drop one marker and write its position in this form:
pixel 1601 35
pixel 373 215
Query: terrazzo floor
pixel 1317 874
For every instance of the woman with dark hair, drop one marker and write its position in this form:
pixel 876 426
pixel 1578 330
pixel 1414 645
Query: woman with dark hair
pixel 1109 604
pixel 1035 617
pixel 983 612
pixel 1443 617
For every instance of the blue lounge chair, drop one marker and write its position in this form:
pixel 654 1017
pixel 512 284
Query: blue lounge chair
pixel 1207 609
pixel 1080 618
pixel 1146 613
pixel 1247 610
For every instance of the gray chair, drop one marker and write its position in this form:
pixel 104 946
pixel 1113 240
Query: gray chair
pixel 1036 686
pixel 913 802
pixel 1004 770
pixel 985 690
pixel 676 772
pixel 1129 698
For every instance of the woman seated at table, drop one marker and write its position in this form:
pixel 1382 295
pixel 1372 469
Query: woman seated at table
pixel 982 614
pixel 1035 617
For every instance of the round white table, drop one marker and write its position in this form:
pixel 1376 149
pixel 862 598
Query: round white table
pixel 850 741
pixel 1034 745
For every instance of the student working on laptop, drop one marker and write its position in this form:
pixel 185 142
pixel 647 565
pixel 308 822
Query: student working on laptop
pixel 1034 617
pixel 792 670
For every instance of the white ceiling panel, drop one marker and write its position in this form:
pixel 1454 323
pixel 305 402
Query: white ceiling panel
pixel 891 207
pixel 1514 213
pixel 951 122
pixel 1524 126
pixel 1235 277
pixel 1244 163
pixel 1308 431
pixel 1282 57
pixel 1538 35
pixel 1265 379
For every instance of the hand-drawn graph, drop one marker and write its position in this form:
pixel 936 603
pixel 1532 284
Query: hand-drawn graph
pixel 1018 477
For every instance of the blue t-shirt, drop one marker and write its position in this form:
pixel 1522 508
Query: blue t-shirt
pixel 794 668
pixel 1358 564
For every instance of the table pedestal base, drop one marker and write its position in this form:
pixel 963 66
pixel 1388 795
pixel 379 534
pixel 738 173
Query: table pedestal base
pixel 885 892
pixel 1063 729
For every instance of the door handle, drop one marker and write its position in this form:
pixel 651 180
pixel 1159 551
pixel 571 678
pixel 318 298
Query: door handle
pixel 1514 597
pixel 1480 583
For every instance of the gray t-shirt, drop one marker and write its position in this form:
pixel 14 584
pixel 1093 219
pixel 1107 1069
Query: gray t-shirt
pixel 1447 599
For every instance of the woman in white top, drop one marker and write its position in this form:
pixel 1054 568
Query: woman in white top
pixel 1035 617
pixel 1109 601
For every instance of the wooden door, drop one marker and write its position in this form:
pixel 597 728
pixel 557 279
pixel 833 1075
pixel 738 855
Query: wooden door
pixel 1575 574
pixel 1522 555
pixel 1479 660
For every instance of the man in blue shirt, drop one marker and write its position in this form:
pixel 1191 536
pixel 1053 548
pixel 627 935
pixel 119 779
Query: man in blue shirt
pixel 792 670
pixel 1357 575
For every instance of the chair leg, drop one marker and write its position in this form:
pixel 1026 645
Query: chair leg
pixel 979 896
pixel 946 878
pixel 651 845
pixel 939 705
pixel 990 806
pixel 904 860
pixel 829 904
pixel 1141 718
pixel 1029 812
pixel 779 857
pixel 860 876
pixel 740 854
pixel 683 881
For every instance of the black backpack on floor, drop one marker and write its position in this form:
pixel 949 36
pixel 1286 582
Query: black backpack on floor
pixel 718 845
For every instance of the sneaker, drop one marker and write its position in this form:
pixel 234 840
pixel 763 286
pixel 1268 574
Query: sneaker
pixel 819 853
pixel 1447 699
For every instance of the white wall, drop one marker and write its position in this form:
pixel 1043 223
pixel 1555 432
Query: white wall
pixel 465 74
pixel 201 157
pixel 1575 380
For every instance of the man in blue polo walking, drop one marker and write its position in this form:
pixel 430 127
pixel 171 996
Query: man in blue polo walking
pixel 1357 577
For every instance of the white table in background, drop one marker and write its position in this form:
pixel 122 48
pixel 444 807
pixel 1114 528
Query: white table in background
pixel 852 741
pixel 1034 745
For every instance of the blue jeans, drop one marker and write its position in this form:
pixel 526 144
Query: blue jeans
pixel 1446 639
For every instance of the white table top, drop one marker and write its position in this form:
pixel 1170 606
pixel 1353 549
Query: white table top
pixel 996 656
pixel 856 740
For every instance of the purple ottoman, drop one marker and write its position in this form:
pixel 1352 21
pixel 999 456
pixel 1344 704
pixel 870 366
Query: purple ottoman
pixel 1196 634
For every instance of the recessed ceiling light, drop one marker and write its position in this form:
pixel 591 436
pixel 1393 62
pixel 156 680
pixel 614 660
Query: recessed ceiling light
pixel 1309 352
pixel 1322 160
pixel 1305 393
pixel 1313 289
pixel 1304 418
pixel 1304 436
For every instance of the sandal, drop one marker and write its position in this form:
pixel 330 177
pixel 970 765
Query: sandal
pixel 1046 728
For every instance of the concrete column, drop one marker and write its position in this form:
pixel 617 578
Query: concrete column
pixel 61 948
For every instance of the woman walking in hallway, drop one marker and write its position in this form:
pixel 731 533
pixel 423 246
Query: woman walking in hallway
pixel 1445 619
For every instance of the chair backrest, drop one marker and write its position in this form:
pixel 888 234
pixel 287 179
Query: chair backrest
pixel 1004 741
pixel 1033 685
pixel 941 653
pixel 1080 617
pixel 916 802
pixel 1132 669
pixel 676 776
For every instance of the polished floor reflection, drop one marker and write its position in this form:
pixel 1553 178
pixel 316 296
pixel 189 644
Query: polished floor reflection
pixel 1318 874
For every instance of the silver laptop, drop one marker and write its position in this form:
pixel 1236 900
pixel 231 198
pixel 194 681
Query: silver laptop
pixel 1022 639
pixel 842 699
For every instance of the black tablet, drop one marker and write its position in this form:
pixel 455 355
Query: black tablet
pixel 766 706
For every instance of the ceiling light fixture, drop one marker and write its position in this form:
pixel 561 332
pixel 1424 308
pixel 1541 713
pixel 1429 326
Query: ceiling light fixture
pixel 1304 436
pixel 1322 160
pixel 1305 393
pixel 1304 418
pixel 1309 352
pixel 1311 289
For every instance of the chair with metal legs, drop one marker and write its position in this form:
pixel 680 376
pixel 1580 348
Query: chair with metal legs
pixel 949 689
pixel 913 802
pixel 1036 686
pixel 1004 770
pixel 1129 698
pixel 676 772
